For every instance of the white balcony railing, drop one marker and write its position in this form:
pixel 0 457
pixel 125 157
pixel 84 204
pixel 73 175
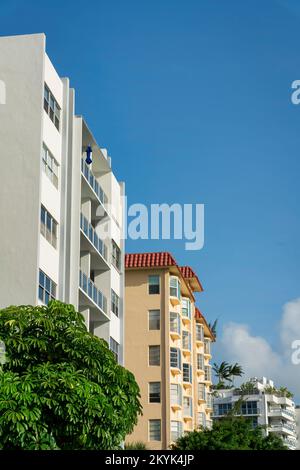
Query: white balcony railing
pixel 91 179
pixel 87 285
pixel 90 232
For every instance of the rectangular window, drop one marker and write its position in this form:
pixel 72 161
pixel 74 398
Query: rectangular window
pixel 154 355
pixel 114 347
pixel 209 402
pixel 187 406
pixel 207 372
pixel 186 308
pixel 249 408
pixel 154 430
pixel 115 303
pixel 174 287
pixel 51 107
pixel 201 419
pixel 206 346
pixel 47 288
pixel 154 320
pixel 50 165
pixel 153 284
pixel 48 227
pixel 176 430
pixel 199 332
pixel 176 394
pixel 200 362
pixel 175 323
pixel 186 340
pixel 115 255
pixel 223 409
pixel 175 358
pixel 187 372
pixel 201 391
pixel 154 392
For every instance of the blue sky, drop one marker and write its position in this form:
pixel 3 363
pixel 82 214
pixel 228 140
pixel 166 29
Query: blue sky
pixel 192 99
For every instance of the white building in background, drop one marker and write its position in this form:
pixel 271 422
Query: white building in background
pixel 298 425
pixel 53 203
pixel 263 406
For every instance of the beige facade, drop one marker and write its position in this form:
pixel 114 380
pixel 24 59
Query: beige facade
pixel 167 347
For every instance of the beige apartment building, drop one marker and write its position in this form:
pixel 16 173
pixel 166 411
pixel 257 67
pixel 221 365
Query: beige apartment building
pixel 167 347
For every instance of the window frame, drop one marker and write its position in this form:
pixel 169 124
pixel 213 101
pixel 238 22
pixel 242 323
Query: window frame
pixel 114 347
pixel 50 233
pixel 115 303
pixel 151 422
pixel 177 291
pixel 51 107
pixel 115 255
pixel 47 289
pixel 153 320
pixel 178 357
pixel 151 348
pixel 154 396
pixel 152 285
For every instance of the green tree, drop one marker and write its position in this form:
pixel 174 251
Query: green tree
pixel 235 370
pixel 222 371
pixel 60 387
pixel 230 433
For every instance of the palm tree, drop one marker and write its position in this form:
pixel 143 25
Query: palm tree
pixel 222 371
pixel 213 327
pixel 235 371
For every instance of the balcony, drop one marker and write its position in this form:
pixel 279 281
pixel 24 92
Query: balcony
pixel 281 412
pixel 92 243
pixel 94 190
pixel 91 297
pixel 283 428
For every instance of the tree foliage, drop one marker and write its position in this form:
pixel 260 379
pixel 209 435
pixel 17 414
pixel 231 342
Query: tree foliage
pixel 230 433
pixel 60 387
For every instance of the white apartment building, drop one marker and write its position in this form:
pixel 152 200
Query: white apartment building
pixel 61 214
pixel 298 425
pixel 263 406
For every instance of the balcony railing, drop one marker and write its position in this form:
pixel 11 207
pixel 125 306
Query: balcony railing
pixel 281 411
pixel 92 291
pixel 93 182
pixel 90 232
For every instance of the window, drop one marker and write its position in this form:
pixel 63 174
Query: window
pixel 187 372
pixel 187 406
pixel 116 255
pixel 186 307
pixel 50 165
pixel 174 323
pixel 176 394
pixel 174 287
pixel 199 332
pixel 207 373
pixel 115 303
pixel 114 347
pixel 47 288
pixel 201 419
pixel 201 391
pixel 176 430
pixel 154 392
pixel 249 408
pixel 222 409
pixel 200 362
pixel 153 283
pixel 154 320
pixel 175 358
pixel 206 346
pixel 209 402
pixel 48 227
pixel 186 340
pixel 154 355
pixel 154 430
pixel 51 107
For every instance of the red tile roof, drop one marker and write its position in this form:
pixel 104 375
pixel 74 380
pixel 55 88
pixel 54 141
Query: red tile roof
pixel 188 273
pixel 149 260
pixel 198 314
